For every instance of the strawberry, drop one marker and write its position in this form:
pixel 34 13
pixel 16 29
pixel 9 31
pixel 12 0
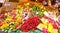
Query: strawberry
pixel 30 24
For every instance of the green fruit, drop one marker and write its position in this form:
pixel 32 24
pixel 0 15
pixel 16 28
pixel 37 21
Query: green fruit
pixel 59 30
pixel 38 31
pixel 18 31
pixel 9 18
pixel 32 31
pixel 12 31
pixel 36 8
pixel 19 7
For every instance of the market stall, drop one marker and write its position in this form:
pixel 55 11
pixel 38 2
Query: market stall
pixel 30 17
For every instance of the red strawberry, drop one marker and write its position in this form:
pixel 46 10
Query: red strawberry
pixel 30 24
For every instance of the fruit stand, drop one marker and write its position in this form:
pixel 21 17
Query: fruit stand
pixel 30 17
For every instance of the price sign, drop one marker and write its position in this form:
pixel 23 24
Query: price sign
pixel 7 4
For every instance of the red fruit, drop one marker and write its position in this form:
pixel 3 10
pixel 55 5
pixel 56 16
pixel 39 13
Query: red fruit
pixel 17 25
pixel 30 24
pixel 2 16
pixel 55 26
pixel 13 15
pixel 45 30
pixel 0 23
pixel 15 8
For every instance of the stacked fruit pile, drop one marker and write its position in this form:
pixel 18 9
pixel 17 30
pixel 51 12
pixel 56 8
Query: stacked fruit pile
pixel 28 18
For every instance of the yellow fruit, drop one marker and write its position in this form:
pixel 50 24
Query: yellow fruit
pixel 44 20
pixel 4 25
pixel 9 18
pixel 17 15
pixel 41 25
pixel 55 30
pixel 18 20
pixel 50 28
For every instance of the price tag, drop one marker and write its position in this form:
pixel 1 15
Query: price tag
pixel 7 4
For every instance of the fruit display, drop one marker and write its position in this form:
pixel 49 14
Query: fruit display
pixel 29 18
